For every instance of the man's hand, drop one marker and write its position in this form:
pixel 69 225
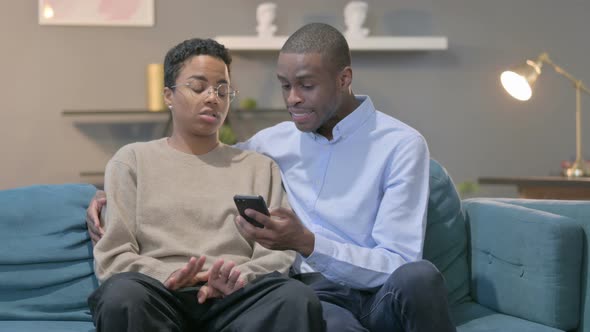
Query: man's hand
pixel 223 279
pixel 93 216
pixel 189 275
pixel 283 232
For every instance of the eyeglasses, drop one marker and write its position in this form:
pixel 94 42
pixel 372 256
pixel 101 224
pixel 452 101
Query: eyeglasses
pixel 223 91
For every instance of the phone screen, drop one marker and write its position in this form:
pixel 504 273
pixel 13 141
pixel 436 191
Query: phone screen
pixel 257 203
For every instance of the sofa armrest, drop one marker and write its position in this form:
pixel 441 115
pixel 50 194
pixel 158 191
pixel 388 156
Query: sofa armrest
pixel 525 262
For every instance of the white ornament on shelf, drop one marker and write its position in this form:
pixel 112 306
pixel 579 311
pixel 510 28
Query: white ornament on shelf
pixel 265 15
pixel 355 13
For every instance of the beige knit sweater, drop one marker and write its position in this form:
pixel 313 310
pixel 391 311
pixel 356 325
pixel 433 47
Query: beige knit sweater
pixel 165 206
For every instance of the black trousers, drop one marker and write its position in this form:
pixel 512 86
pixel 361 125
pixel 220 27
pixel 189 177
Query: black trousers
pixel 413 299
pixel 135 302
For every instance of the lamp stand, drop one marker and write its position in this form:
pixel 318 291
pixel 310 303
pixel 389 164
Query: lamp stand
pixel 579 168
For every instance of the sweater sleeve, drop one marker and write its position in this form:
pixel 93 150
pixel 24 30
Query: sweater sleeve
pixel 118 251
pixel 265 260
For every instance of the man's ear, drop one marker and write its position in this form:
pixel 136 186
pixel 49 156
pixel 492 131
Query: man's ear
pixel 345 78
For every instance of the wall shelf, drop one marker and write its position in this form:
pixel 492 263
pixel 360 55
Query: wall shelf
pixel 112 112
pixel 122 116
pixel 246 123
pixel 377 43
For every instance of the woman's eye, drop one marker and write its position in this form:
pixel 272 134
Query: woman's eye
pixel 197 87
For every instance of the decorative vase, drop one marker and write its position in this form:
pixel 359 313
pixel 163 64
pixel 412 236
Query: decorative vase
pixel 155 87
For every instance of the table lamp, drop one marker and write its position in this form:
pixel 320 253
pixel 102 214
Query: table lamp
pixel 519 83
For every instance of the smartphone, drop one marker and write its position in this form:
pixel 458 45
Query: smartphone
pixel 257 203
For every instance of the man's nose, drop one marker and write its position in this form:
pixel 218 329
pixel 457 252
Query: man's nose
pixel 293 98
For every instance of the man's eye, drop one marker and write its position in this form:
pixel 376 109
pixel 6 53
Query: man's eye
pixel 307 86
pixel 285 86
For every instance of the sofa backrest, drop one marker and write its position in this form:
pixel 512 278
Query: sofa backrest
pixel 46 265
pixel 446 234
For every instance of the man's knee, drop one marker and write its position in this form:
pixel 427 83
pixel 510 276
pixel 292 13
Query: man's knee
pixel 418 277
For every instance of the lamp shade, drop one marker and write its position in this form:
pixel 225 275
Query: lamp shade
pixel 519 81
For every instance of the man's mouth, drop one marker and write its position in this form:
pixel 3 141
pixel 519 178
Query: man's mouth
pixel 300 115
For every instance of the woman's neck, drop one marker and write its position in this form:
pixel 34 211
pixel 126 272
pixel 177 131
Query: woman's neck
pixel 191 144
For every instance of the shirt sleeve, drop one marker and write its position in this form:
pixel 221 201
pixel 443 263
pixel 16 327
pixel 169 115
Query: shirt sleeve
pixel 265 260
pixel 398 231
pixel 250 144
pixel 118 249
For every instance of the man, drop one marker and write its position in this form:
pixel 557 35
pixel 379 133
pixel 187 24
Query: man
pixel 172 202
pixel 357 180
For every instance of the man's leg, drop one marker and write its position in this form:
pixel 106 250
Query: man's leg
pixel 341 304
pixel 413 299
pixel 135 302
pixel 270 303
pixel 339 319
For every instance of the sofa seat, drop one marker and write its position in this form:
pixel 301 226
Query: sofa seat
pixel 45 326
pixel 472 317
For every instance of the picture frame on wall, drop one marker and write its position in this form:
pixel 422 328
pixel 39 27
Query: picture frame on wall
pixel 138 13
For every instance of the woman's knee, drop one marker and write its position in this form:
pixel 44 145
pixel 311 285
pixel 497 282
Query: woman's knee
pixel 122 291
pixel 298 293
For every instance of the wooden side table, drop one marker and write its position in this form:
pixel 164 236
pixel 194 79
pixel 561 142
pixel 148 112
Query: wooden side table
pixel 545 187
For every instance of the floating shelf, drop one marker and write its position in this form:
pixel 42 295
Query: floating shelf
pixel 113 112
pixel 426 43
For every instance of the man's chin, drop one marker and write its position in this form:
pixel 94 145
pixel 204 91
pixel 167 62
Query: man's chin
pixel 305 127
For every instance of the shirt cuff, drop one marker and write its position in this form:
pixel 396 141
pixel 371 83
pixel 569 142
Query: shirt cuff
pixel 322 255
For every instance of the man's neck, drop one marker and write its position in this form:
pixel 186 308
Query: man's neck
pixel 348 106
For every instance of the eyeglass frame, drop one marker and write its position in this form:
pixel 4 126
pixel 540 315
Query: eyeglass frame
pixel 231 94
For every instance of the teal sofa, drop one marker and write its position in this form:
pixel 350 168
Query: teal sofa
pixel 46 265
pixel 511 265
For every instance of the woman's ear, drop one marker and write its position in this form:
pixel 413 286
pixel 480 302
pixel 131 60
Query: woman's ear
pixel 168 97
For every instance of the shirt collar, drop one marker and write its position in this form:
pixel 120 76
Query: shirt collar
pixel 352 121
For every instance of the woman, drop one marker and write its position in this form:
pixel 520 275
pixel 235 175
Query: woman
pixel 170 201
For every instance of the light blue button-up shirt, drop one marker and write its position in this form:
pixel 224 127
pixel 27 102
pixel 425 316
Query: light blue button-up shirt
pixel 363 194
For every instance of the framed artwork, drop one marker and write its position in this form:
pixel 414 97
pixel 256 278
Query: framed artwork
pixel 97 12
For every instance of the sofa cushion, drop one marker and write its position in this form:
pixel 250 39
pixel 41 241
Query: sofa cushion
pixel 446 234
pixel 46 265
pixel 472 317
pixel 46 326
pixel 580 212
pixel 525 262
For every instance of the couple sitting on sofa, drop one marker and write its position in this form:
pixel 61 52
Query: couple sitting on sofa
pixel 357 180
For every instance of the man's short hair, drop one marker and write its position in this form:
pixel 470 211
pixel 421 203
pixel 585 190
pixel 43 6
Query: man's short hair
pixel 177 56
pixel 320 38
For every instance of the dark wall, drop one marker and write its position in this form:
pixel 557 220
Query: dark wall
pixel 453 97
